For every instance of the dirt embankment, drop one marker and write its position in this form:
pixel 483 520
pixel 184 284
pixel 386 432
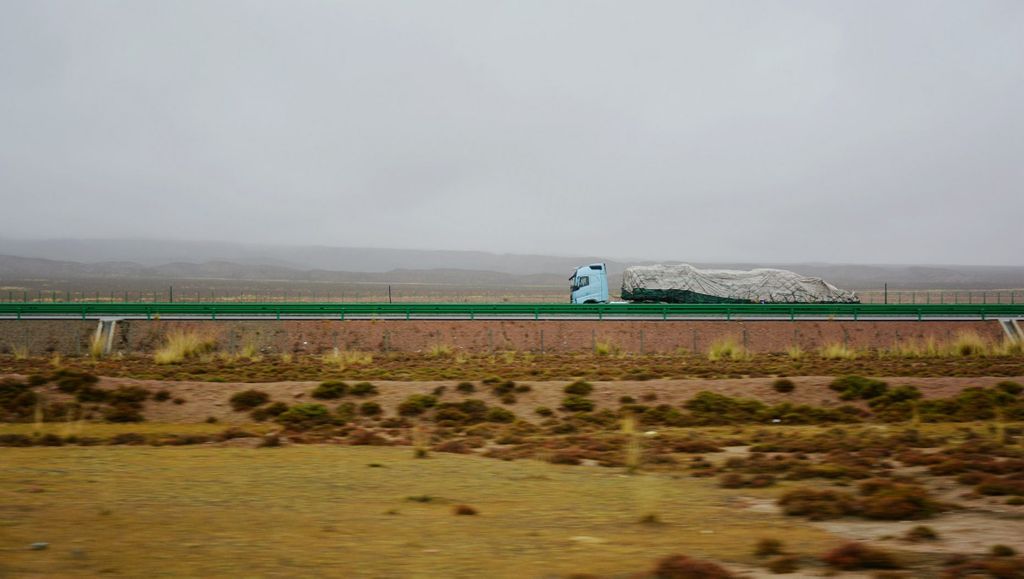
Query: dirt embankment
pixel 71 337
pixel 210 399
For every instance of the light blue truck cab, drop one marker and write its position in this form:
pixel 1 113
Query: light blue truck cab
pixel 589 285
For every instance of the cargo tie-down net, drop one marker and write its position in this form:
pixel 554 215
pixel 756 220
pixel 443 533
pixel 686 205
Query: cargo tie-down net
pixel 688 285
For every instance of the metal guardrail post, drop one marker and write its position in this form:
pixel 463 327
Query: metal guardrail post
pixel 728 314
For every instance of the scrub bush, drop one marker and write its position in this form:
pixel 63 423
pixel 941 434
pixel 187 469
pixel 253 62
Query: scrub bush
pixel 305 416
pixel 248 399
pixel 683 567
pixel 853 556
pixel 579 388
pixel 417 404
pixel 574 403
pixel 363 389
pixel 858 388
pixel 370 409
pixel 269 411
pixel 330 390
pixel 783 386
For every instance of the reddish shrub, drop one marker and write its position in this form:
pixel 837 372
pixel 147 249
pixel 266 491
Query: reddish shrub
pixel 887 500
pixel 859 556
pixel 818 505
pixel 683 567
pixel 453 446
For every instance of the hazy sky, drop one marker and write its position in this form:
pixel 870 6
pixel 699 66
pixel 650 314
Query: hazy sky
pixel 874 132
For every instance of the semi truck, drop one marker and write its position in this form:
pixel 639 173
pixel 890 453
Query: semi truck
pixel 684 283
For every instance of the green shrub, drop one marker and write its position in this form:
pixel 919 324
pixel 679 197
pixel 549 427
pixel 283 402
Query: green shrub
pixel 783 386
pixel 248 399
pixel 504 388
pixel 306 415
pixel 128 395
pixel 330 390
pixel 466 387
pixel 370 409
pixel 627 400
pixel 363 389
pixel 895 396
pixel 543 411
pixel 921 533
pixel 15 440
pixel 574 403
pixel 17 400
pixel 416 404
pixel 1003 551
pixel 122 413
pixel 87 393
pixel 69 381
pixel 500 415
pixel 162 396
pixel 1010 387
pixel 858 387
pixel 269 411
pixel 579 388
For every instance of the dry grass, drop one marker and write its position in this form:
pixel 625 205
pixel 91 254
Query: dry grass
pixel 727 349
pixel 20 352
pixel 96 346
pixel 795 352
pixel 439 351
pixel 345 358
pixel 964 344
pixel 970 344
pixel 328 512
pixel 180 346
pixel 606 348
pixel 837 351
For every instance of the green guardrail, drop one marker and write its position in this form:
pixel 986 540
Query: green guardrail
pixel 86 310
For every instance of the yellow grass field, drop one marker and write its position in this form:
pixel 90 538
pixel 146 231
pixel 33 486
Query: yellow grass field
pixel 318 511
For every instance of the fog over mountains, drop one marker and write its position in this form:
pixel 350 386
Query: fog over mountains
pixel 166 259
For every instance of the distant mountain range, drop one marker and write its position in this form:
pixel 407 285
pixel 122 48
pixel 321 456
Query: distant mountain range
pixel 109 258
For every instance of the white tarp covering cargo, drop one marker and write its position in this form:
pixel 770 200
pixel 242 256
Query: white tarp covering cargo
pixel 687 284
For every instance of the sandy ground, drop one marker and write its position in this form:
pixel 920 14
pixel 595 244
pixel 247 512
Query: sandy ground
pixel 206 399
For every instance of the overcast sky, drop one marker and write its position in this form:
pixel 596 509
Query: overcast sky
pixel 871 132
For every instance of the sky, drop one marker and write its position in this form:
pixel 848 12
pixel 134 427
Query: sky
pixel 792 131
